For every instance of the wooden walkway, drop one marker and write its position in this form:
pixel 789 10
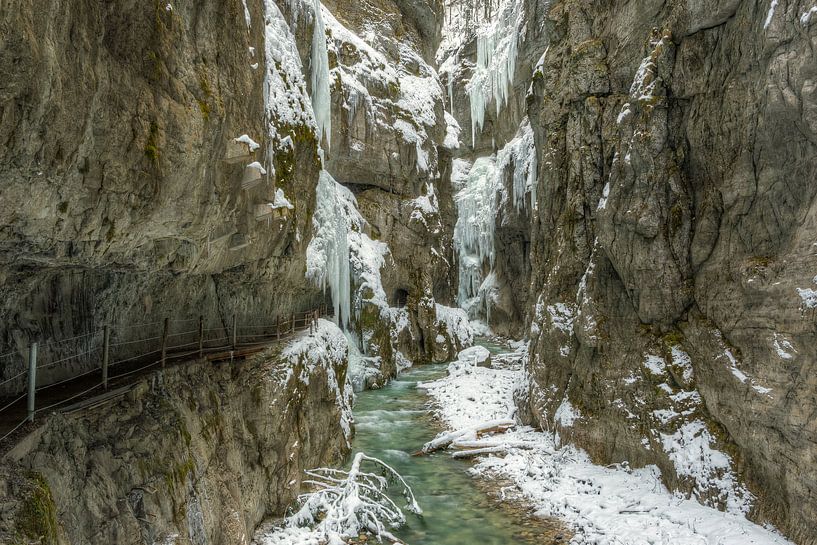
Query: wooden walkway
pixel 88 389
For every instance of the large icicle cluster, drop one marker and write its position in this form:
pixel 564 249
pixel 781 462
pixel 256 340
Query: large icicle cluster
pixel 321 97
pixel 520 154
pixel 327 257
pixel 344 259
pixel 477 203
pixel 481 196
pixel 497 49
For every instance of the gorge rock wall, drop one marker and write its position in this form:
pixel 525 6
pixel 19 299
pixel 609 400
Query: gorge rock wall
pixel 670 274
pixel 118 204
pixel 673 246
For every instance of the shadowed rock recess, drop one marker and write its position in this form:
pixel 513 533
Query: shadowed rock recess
pixel 629 186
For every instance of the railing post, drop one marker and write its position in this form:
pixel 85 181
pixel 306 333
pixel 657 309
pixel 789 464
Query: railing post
pixel 164 341
pixel 106 345
pixel 201 337
pixel 32 379
pixel 235 332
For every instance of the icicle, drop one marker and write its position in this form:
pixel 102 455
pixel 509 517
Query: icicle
pixel 497 50
pixel 321 97
pixel 520 153
pixel 327 258
pixel 474 233
pixel 247 16
pixel 451 83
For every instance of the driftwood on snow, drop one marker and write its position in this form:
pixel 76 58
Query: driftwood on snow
pixel 444 440
pixel 477 448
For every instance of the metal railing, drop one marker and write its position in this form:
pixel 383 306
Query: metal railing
pixel 158 346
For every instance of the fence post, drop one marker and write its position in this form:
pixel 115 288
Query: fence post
pixel 278 328
pixel 201 337
pixel 32 379
pixel 164 341
pixel 293 323
pixel 105 355
pixel 235 332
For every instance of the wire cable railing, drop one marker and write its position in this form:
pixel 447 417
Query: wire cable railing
pixel 66 376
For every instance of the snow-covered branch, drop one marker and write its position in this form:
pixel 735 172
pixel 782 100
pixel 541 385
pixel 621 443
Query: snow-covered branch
pixel 346 503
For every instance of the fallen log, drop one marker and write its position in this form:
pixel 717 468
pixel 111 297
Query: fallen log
pixel 499 449
pixel 478 448
pixel 468 445
pixel 445 439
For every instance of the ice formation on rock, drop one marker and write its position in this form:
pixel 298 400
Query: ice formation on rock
pixel 497 49
pixel 520 154
pixel 481 194
pixel 321 97
pixel 327 258
pixel 474 233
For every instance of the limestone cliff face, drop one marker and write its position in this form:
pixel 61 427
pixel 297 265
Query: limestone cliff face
pixel 197 454
pixel 672 259
pixel 118 205
pixel 673 245
pixel 386 145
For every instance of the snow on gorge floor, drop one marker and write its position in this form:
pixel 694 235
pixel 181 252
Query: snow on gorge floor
pixel 603 505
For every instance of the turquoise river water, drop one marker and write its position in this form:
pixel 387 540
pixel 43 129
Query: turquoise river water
pixel 395 421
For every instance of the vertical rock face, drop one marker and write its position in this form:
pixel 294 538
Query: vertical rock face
pixel 199 454
pixel 125 197
pixel 673 252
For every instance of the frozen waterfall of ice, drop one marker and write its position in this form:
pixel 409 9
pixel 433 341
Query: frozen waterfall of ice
pixel 477 203
pixel 321 97
pixel 327 258
pixel 481 196
pixel 497 51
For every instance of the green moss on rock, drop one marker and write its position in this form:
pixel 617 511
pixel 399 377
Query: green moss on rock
pixel 37 518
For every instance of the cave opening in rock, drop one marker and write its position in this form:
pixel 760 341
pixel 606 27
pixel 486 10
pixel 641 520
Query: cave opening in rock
pixel 399 298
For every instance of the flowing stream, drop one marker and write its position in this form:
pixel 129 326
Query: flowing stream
pixel 395 421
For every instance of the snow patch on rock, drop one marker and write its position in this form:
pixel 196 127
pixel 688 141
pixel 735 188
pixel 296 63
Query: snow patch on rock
pixel 327 349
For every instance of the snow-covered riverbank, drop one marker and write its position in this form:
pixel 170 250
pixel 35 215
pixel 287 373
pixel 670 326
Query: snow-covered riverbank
pixel 604 505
